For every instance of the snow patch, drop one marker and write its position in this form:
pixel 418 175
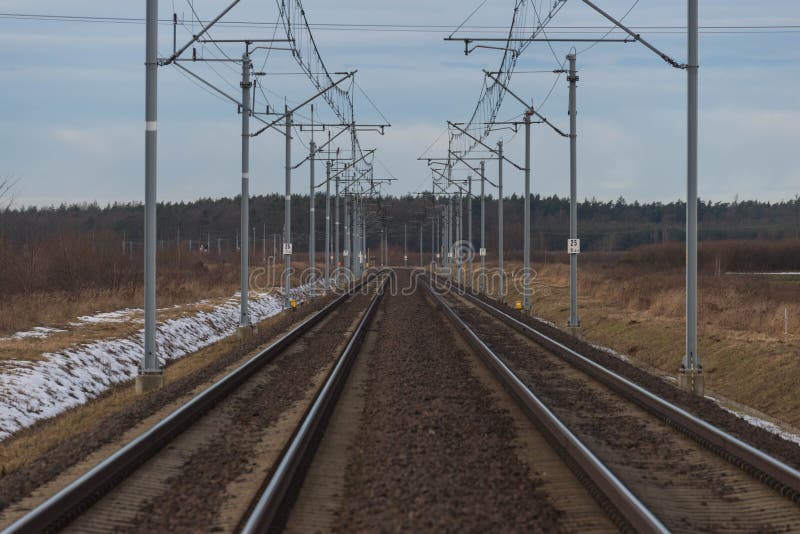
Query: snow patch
pixel 119 316
pixel 38 332
pixel 32 391
pixel 611 352
pixel 775 273
pixel 772 428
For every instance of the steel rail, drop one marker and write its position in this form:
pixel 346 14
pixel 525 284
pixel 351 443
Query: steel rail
pixel 68 503
pixel 629 507
pixel 776 474
pixel 276 498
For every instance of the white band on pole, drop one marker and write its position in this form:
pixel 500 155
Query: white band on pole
pixel 150 126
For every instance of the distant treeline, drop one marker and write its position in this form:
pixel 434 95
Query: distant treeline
pixel 603 226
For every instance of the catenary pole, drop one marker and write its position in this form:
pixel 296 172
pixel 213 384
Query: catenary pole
pixel 327 225
pixel 691 360
pixel 526 264
pixel 312 253
pixel 482 251
pixel 470 251
pixel 421 228
pixel 405 245
pixel 574 321
pixel 336 226
pixel 287 215
pixel 244 312
pixel 364 234
pixel 502 273
pixel 150 363
pixel 460 237
pixel 451 219
pixel 346 252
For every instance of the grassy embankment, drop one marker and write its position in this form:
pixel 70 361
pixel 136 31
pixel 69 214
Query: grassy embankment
pixel 633 303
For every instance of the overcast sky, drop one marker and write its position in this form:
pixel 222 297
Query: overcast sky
pixel 72 100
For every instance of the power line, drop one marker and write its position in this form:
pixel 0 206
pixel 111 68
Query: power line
pixel 415 28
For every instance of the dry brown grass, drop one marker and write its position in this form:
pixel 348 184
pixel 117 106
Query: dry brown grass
pixel 640 313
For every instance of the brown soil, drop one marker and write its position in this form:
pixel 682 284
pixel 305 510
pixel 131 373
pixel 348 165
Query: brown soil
pixel 192 499
pixel 435 452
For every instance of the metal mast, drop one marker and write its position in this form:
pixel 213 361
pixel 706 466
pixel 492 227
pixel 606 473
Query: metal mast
pixel 501 294
pixel 574 321
pixel 149 364
pixel 482 251
pixel 312 253
pixel 327 225
pixel 526 264
pixel 691 360
pixel 469 230
pixel 336 241
pixel 287 216
pixel 244 314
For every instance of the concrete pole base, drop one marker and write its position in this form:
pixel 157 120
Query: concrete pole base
pixel 575 330
pixel 692 381
pixel 244 332
pixel 149 382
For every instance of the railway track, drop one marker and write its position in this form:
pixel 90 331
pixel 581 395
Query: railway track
pixel 234 441
pixel 654 466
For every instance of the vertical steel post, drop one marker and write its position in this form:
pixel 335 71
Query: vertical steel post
pixel 149 362
pixel 327 225
pixel 574 321
pixel 526 262
pixel 244 312
pixel 482 284
pixel 434 226
pixel 421 227
pixel 471 250
pixel 450 232
pixel 460 237
pixel 364 233
pixel 356 240
pixel 405 245
pixel 312 252
pixel 457 240
pixel 336 226
pixel 691 360
pixel 353 234
pixel 287 216
pixel 347 252
pixel 502 273
pixel 357 235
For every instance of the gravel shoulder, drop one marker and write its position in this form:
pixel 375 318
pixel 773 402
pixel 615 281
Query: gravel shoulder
pixel 704 408
pixel 434 451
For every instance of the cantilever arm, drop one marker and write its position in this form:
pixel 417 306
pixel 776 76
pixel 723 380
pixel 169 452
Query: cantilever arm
pixel 306 101
pixel 530 107
pixel 636 36
pixel 322 147
pixel 473 169
pixel 492 150
pixel 195 38
pixel 349 165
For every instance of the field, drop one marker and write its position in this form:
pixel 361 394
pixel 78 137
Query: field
pixel 52 282
pixel 633 303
